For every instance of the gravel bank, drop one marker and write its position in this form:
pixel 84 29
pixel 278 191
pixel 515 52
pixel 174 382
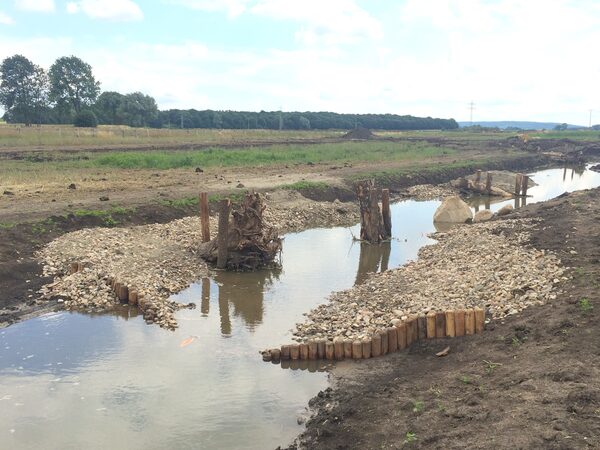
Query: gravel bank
pixel 470 266
pixel 158 260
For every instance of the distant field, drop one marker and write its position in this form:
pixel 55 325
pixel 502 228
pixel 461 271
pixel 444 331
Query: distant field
pixel 59 164
pixel 576 135
pixel 66 135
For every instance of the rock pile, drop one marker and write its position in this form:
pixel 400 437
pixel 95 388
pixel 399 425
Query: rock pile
pixel 156 260
pixel 430 191
pixel 474 266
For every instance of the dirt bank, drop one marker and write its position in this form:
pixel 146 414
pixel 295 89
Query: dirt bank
pixel 531 380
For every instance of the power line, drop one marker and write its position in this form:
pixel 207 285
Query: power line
pixel 471 108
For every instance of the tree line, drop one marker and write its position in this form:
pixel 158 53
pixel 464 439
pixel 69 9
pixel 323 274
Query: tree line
pixel 68 93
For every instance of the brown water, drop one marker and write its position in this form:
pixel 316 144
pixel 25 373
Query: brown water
pixel 73 381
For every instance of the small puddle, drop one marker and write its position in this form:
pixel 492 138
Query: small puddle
pixel 70 380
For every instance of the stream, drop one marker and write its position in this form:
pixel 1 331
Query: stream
pixel 72 381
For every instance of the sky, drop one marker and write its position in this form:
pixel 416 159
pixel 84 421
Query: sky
pixel 515 60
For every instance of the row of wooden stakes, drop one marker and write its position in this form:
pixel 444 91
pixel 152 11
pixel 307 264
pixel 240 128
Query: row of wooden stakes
pixel 454 323
pixel 121 290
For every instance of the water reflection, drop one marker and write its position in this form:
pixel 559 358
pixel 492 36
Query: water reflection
pixel 550 184
pixel 373 258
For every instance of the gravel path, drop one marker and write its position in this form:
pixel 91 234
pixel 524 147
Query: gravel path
pixel 470 266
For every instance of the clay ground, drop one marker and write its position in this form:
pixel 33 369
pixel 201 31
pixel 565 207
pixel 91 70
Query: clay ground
pixel 531 382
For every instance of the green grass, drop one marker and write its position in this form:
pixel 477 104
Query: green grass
pixel 183 203
pixel 576 135
pixel 585 305
pixel 410 437
pixel 305 185
pixel 265 156
pixel 6 225
pixel 105 215
pixel 418 406
pixel 101 212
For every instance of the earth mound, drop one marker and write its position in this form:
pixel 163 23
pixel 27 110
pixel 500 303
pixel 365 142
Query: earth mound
pixel 359 133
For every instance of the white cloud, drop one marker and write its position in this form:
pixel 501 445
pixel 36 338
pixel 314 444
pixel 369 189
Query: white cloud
pixel 329 22
pixel 35 5
pixel 118 10
pixel 320 22
pixel 233 8
pixel 5 19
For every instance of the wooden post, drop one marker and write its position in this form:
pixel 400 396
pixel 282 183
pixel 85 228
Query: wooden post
pixel 275 354
pixel 321 348
pixel 133 298
pixel 459 322
pixel 431 324
pixel 479 320
pixel 392 335
pixel 488 183
pixel 338 348
pixel 385 212
pixel 376 344
pixel 524 183
pixel 401 335
pixel 450 330
pixel 348 348
pixel 385 348
pixel 357 350
pixel 204 216
pixel 285 352
pixel 223 233
pixel 411 330
pixel 294 351
pixel 312 350
pixel 123 293
pixel 469 322
pixel 303 348
pixel 366 348
pixel 518 181
pixel 422 327
pixel 440 325
pixel 478 176
pixel 329 350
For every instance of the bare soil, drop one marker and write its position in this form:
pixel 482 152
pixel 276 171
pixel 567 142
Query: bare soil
pixel 530 381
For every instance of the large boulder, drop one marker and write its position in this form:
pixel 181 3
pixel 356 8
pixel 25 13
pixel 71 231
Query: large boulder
pixel 453 210
pixel 506 209
pixel 483 216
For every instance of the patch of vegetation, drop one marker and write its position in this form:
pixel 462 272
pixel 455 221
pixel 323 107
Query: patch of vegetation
pixel 490 366
pixel 183 203
pixel 418 406
pixel 410 437
pixel 277 154
pixel 235 197
pixel 101 212
pixel 465 379
pixel 516 342
pixel 305 185
pixel 6 225
pixel 585 305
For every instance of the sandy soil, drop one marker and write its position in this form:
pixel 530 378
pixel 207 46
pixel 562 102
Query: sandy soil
pixel 530 381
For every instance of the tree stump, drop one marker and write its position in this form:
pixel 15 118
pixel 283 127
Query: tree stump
pixel 244 242
pixel 371 221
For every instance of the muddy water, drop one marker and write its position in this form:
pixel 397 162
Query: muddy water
pixel 69 380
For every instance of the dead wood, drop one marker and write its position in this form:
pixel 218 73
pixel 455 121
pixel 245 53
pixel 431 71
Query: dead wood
pixel 251 244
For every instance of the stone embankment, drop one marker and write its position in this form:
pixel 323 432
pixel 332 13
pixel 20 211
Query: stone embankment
pixel 471 266
pixel 158 260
